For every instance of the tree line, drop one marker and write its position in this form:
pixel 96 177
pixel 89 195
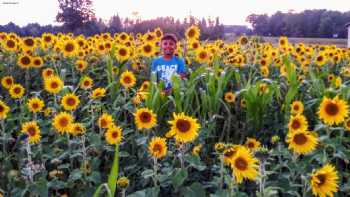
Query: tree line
pixel 309 23
pixel 78 17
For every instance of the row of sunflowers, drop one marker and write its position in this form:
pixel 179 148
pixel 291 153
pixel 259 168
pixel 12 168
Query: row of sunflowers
pixel 81 116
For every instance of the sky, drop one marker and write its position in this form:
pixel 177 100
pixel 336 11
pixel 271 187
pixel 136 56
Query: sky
pixel 230 12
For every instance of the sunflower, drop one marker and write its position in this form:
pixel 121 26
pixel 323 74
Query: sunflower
pixel 264 70
pixel 37 62
pixel 70 102
pixel 145 86
pixel 244 165
pixel 122 53
pixel 86 83
pixel 47 72
pixel 192 33
pixel 157 147
pixel 4 109
pixel 230 97
pixel 127 79
pixel 283 42
pixel 53 84
pixel 76 129
pixel 197 149
pixel 62 122
pixel 185 128
pixel 35 104
pixel 297 107
pixel 10 45
pixel 113 135
pixel 32 130
pixel 243 40
pixel 28 43
pixel 320 60
pixel 202 56
pixel 252 144
pixel 333 111
pixel 147 49
pixel 324 182
pixel 24 61
pixel 297 122
pixel 17 91
pixel 145 119
pixel 98 93
pixel 80 65
pixel 347 124
pixel 229 152
pixel 123 182
pixel 7 81
pixel 105 121
pixel 69 48
pixel 301 141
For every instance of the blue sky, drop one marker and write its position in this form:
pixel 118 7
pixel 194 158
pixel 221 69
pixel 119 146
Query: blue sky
pixel 230 12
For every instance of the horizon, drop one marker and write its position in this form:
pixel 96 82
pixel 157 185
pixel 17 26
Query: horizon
pixel 144 10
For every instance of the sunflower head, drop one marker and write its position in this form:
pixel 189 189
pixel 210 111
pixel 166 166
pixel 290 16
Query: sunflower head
pixel 17 91
pixel 297 122
pixel 145 119
pixel 230 97
pixel 113 135
pixel 184 128
pixel 77 129
pixel 252 144
pixel 70 101
pixel 86 83
pixel 157 147
pixel 244 165
pixel 324 182
pixel 302 141
pixel 192 33
pixel 7 82
pixel 98 93
pixel 35 104
pixel 127 79
pixel 297 107
pixel 32 130
pixel 53 84
pixel 333 111
pixel 4 109
pixel 105 121
pixel 62 122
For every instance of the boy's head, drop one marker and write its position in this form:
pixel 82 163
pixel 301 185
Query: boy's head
pixel 168 44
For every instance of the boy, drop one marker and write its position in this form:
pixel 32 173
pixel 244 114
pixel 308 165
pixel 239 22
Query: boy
pixel 168 64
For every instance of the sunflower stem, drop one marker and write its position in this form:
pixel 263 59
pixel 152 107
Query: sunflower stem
pixel 30 162
pixel 113 176
pixel 4 139
pixel 69 149
pixel 84 153
pixel 155 169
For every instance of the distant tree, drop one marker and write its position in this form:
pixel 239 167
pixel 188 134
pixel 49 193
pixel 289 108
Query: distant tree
pixel 75 13
pixel 115 24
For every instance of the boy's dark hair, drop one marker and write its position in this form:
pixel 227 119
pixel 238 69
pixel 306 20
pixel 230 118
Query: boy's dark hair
pixel 169 36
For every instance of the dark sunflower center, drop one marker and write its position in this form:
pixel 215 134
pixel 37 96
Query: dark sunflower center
pixel 229 153
pixel 25 60
pixel 35 105
pixel 332 109
pixel 17 90
pixel 296 107
pixel 319 58
pixel 69 47
pixel 63 122
pixel 145 117
pixel 147 48
pixel 115 135
pixel 183 125
pixel 122 52
pixel 296 124
pixel 10 43
pixel 157 148
pixel 251 145
pixel 2 108
pixel 71 101
pixel 54 85
pixel 195 45
pixel 47 39
pixel 321 178
pixel 241 163
pixel 37 62
pixel 8 81
pixel 191 33
pixel 300 139
pixel 127 79
pixel 103 123
pixel 86 83
pixel 31 131
pixel 203 55
pixel 29 42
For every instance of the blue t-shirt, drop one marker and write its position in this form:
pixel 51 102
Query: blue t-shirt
pixel 165 69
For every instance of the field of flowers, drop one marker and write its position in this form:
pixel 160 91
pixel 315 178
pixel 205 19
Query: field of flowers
pixel 82 116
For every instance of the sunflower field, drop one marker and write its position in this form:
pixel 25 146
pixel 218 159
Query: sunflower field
pixel 82 116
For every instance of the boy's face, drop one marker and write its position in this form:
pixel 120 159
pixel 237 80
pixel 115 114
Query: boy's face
pixel 168 47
